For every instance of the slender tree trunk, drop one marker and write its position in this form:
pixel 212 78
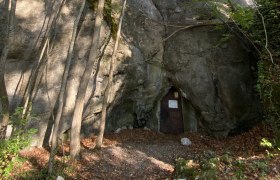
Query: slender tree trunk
pixel 11 9
pixel 26 72
pixel 96 70
pixel 38 68
pixel 110 83
pixel 29 95
pixel 69 107
pixel 3 92
pixel 78 110
pixel 62 91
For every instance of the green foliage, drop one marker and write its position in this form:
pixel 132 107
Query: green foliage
pixel 264 142
pixel 183 169
pixel 272 145
pixel 269 88
pixel 239 167
pixel 269 74
pixel 244 16
pixel 270 9
pixel 261 166
pixel 110 10
pixel 9 148
pixel 212 166
pixel 62 168
pixel 251 23
pixel 109 17
pixel 205 167
pixel 225 38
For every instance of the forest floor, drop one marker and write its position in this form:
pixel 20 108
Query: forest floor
pixel 146 154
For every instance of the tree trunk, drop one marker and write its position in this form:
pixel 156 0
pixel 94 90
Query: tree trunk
pixel 62 90
pixel 69 107
pixel 78 110
pixel 11 8
pixel 38 68
pixel 26 72
pixel 110 83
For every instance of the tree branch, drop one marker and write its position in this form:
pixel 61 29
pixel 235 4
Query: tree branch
pixel 265 32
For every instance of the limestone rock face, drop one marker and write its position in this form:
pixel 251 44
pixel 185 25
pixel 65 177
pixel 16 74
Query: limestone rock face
pixel 157 51
pixel 217 81
pixel 215 77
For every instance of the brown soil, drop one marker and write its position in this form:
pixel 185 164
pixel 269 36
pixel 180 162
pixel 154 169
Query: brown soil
pixel 144 154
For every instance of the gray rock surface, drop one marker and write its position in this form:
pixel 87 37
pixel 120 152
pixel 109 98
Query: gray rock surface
pixel 214 78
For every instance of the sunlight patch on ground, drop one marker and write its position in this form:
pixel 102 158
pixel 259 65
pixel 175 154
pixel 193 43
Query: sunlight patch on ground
pixel 136 158
pixel 161 164
pixel 90 157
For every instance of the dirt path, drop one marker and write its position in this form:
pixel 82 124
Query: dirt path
pixel 134 154
pixel 140 154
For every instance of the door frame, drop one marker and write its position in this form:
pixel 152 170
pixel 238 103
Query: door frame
pixel 180 99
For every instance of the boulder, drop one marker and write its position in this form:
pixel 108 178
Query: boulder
pixel 214 77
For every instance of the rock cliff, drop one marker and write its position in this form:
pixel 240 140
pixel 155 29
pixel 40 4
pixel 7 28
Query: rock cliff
pixel 164 44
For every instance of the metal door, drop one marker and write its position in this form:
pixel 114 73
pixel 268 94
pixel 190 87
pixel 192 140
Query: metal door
pixel 171 117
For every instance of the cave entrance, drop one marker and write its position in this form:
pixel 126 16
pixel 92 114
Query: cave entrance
pixel 171 116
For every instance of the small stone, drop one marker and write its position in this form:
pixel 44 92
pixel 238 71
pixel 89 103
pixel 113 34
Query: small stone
pixel 186 141
pixel 59 178
pixel 275 170
pixel 146 129
pixel 124 127
pixel 118 130
pixel 130 127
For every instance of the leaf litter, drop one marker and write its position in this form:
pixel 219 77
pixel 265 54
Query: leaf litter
pixel 147 154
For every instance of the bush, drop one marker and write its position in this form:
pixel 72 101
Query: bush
pixel 269 88
pixel 10 148
pixel 268 72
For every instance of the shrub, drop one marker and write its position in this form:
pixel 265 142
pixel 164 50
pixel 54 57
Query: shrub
pixel 10 148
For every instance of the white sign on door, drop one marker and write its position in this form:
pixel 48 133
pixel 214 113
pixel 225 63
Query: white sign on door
pixel 173 104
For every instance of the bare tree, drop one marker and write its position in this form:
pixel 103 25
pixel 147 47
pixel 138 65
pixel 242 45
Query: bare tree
pixel 110 83
pixel 33 45
pixel 39 66
pixel 62 90
pixel 78 110
pixel 10 12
